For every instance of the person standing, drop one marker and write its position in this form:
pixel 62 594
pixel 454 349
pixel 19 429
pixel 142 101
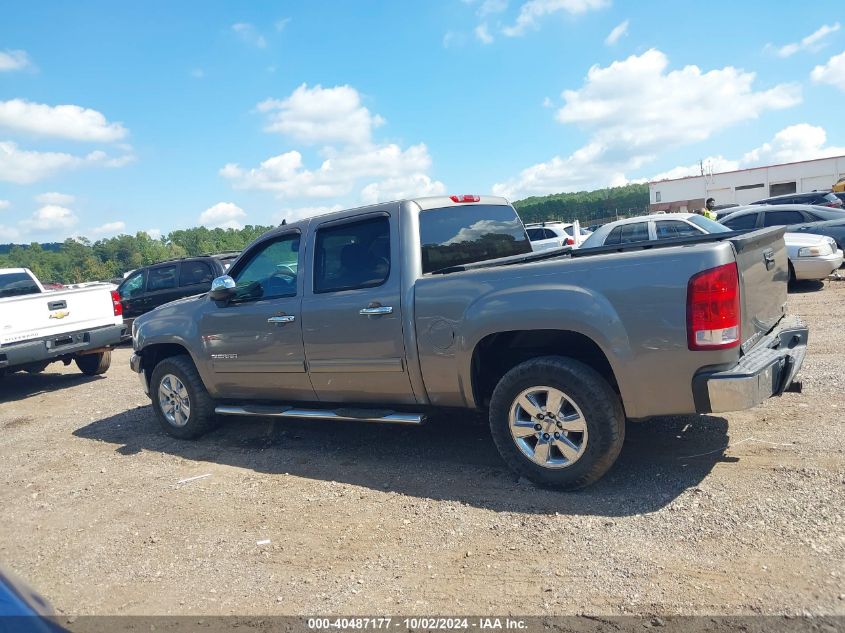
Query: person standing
pixel 708 211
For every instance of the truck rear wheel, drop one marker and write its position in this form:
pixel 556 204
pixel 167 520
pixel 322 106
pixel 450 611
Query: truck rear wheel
pixel 557 422
pixel 180 400
pixel 94 364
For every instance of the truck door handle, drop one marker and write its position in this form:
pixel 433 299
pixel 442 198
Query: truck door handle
pixel 376 310
pixel 284 318
pixel 769 258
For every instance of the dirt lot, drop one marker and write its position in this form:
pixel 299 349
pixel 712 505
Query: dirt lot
pixel 736 514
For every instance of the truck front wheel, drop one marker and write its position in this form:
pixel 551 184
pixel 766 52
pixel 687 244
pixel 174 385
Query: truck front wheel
pixel 557 422
pixel 181 402
pixel 94 364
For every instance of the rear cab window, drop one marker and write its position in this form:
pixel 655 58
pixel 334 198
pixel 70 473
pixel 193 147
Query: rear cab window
pixel 17 285
pixel 455 236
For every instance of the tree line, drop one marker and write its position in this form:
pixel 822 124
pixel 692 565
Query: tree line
pixel 78 260
pixel 586 206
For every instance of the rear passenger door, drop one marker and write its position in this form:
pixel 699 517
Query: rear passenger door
pixel 352 311
pixel 668 229
pixel 162 286
pixel 195 277
pixel 782 218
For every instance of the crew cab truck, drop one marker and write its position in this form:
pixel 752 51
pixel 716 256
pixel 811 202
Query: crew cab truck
pixel 39 327
pixel 387 312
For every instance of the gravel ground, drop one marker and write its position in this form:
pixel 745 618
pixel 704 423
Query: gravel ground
pixel 734 514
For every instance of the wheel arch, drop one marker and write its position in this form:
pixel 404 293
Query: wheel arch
pixel 496 354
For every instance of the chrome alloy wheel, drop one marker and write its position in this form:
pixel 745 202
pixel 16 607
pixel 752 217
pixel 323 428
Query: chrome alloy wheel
pixel 174 400
pixel 548 427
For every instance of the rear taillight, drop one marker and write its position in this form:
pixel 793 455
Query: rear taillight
pixel 116 304
pixel 465 198
pixel 713 308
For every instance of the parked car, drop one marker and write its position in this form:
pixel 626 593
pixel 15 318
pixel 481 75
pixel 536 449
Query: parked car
pixel 549 235
pixel 810 256
pixel 647 228
pixel 39 327
pixel 819 198
pixel 796 218
pixel 151 286
pixel 388 312
pixel 841 196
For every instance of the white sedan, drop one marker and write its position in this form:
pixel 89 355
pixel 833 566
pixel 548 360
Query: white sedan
pixel 810 256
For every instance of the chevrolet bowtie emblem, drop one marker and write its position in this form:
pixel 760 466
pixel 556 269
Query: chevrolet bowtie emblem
pixel 61 314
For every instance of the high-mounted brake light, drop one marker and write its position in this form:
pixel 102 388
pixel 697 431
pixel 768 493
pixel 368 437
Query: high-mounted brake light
pixel 466 198
pixel 713 309
pixel 116 304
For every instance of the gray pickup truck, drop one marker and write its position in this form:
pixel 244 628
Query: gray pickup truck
pixel 389 312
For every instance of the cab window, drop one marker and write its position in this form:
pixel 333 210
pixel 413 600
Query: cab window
pixel 352 255
pixel 270 272
pixel 667 229
pixel 742 222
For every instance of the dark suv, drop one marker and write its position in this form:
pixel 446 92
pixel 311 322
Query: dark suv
pixel 149 287
pixel 819 198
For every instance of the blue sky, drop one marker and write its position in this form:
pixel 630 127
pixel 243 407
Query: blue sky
pixel 163 115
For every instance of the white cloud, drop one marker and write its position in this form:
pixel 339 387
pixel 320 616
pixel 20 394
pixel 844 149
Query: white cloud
pixel 198 73
pixel 14 60
pixel 286 174
pixel 711 164
pixel 635 109
pixel 483 33
pixel 618 32
pixel 249 34
pixel 489 7
pixel 4 204
pixel 63 121
pixel 531 12
pixel 398 188
pixel 300 213
pixel 223 215
pixel 108 229
pixel 53 197
pixel 813 42
pixel 547 103
pixel 833 72
pixel 50 218
pixel 451 38
pixel 336 121
pixel 321 115
pixel 280 25
pixel 154 234
pixel 24 167
pixel 794 143
pixel 9 233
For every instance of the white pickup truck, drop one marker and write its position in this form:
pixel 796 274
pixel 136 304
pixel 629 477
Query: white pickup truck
pixel 38 326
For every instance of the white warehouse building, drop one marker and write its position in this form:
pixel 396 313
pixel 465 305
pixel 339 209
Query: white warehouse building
pixel 745 186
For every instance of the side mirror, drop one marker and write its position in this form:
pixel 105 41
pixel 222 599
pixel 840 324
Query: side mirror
pixel 222 288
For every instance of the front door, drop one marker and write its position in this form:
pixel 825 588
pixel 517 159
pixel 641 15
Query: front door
pixel 352 313
pixel 254 342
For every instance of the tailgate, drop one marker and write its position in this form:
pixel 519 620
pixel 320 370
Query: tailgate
pixel 764 271
pixel 54 313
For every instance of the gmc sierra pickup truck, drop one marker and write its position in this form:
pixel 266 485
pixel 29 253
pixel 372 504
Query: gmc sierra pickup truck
pixel 387 312
pixel 39 327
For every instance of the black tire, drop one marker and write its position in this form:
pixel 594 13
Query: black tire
pixel 201 418
pixel 600 406
pixel 791 274
pixel 94 364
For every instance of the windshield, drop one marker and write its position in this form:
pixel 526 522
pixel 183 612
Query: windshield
pixel 455 236
pixel 708 225
pixel 17 284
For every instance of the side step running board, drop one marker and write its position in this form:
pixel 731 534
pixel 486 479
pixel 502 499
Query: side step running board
pixel 345 415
